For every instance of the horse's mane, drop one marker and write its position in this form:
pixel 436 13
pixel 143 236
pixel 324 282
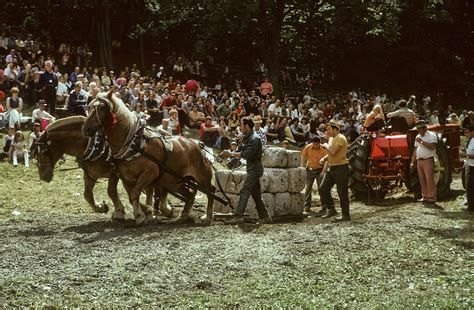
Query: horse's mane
pixel 66 124
pixel 118 107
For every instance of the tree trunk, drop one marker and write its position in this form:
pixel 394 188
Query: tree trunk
pixel 276 8
pixel 103 34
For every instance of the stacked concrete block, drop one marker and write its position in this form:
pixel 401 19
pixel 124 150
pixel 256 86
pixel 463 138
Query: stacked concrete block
pixel 282 184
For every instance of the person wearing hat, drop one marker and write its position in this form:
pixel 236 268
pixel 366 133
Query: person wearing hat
pixel 310 159
pixel 469 166
pixel 337 173
pixel 425 151
pixel 40 115
pixel 34 134
pixel 251 150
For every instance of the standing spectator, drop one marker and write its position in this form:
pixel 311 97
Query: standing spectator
pixel 48 82
pixel 337 173
pixel 425 151
pixel 469 166
pixel 18 149
pixel 310 159
pixel 251 151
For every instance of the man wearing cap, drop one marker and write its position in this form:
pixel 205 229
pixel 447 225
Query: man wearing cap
pixel 425 151
pixel 251 150
pixel 40 114
pixel 469 166
pixel 337 173
pixel 310 159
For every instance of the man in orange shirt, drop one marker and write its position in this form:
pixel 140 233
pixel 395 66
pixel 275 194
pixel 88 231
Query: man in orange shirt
pixel 310 158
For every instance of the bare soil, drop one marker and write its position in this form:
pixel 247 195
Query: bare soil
pixel 55 252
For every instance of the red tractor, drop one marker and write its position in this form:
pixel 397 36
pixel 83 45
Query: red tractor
pixel 380 162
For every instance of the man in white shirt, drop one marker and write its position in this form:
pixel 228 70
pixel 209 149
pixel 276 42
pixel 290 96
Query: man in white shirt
pixel 425 151
pixel 275 108
pixel 469 166
pixel 40 114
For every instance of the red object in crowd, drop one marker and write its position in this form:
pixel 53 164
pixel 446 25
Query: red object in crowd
pixel 2 94
pixel 191 85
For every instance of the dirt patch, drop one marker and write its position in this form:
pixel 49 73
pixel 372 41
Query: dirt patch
pixel 56 252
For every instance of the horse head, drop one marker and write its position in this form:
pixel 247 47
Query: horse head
pixel 46 157
pixel 101 114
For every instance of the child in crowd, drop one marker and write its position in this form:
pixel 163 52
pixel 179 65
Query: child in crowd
pixel 18 149
pixel 7 140
pixel 35 133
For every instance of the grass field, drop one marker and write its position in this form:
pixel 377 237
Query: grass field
pixel 56 252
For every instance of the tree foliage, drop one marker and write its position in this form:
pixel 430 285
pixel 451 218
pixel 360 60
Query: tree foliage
pixel 407 43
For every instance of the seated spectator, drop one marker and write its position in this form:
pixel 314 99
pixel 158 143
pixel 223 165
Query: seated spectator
pixel 405 113
pixel 18 149
pixel 77 100
pixel 174 123
pixel 138 112
pixel 196 117
pixel 234 122
pixel 271 129
pixel 152 108
pixel 434 118
pixel 7 141
pixel 298 131
pixel 208 132
pixel 223 141
pixel 14 108
pixel 257 121
pixel 284 132
pixel 61 92
pixel 34 134
pixel 375 120
pixel 224 109
pixel 469 120
pixel 40 116
pixel 208 109
pixel 164 128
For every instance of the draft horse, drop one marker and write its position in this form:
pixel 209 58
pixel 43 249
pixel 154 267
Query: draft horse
pixel 108 114
pixel 65 137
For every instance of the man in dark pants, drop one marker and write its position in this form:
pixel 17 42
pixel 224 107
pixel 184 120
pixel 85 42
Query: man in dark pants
pixel 48 83
pixel 338 173
pixel 310 159
pixel 469 131
pixel 251 151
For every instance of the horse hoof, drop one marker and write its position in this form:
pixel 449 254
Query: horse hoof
pixel 105 207
pixel 184 220
pixel 150 217
pixel 206 222
pixel 118 216
pixel 167 212
pixel 140 219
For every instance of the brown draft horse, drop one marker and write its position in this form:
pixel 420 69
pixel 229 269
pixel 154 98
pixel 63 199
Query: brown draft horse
pixel 109 114
pixel 65 137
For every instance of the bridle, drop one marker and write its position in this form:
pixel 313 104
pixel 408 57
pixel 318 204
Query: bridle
pixel 46 150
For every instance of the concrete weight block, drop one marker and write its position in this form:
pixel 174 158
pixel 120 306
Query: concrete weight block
pixel 278 180
pixel 297 179
pixel 294 158
pixel 275 157
pixel 282 204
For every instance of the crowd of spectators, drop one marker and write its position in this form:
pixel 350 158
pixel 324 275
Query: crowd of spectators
pixel 170 100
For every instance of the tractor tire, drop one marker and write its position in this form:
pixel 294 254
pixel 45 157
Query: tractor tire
pixel 442 174
pixel 358 155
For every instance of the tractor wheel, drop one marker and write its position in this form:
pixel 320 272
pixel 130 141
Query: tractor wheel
pixel 358 155
pixel 442 175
